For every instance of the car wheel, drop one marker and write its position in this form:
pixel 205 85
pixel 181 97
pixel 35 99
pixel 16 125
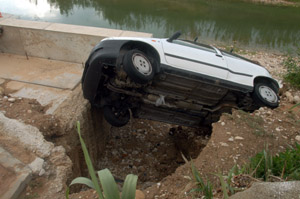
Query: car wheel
pixel 138 66
pixel 265 95
pixel 116 117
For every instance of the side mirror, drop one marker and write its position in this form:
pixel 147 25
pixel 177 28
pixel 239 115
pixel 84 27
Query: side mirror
pixel 174 36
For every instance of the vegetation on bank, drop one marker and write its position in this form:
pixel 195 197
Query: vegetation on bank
pixel 292 64
pixel 262 167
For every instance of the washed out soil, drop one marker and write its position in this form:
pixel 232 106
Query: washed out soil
pixel 31 112
pixel 151 150
pixel 234 140
pixel 6 178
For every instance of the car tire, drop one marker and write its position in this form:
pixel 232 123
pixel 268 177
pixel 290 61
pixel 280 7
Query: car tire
pixel 138 66
pixel 264 94
pixel 115 117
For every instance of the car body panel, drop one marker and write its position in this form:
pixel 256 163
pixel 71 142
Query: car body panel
pixel 192 59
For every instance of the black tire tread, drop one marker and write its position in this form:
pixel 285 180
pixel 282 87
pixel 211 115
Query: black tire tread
pixel 112 119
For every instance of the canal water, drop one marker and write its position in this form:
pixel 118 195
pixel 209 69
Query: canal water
pixel 221 22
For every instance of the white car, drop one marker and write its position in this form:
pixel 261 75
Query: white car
pixel 173 80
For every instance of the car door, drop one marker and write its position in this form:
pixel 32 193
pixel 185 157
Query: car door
pixel 196 58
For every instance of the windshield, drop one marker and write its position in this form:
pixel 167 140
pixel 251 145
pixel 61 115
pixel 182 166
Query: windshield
pixel 194 45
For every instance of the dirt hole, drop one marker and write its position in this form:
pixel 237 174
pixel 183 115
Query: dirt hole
pixel 149 149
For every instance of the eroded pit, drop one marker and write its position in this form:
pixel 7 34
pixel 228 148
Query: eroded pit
pixel 152 150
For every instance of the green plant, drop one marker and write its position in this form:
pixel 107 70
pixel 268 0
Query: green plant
pixel 204 188
pixel 254 122
pixel 286 165
pixel 226 181
pixel 109 188
pixel 293 71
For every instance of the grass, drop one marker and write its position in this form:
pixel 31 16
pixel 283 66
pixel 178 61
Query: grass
pixel 109 188
pixel 286 165
pixel 293 71
pixel 262 167
pixel 254 122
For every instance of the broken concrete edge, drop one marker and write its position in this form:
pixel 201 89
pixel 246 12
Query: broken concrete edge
pixel 71 43
pixel 270 190
pixel 22 172
pixel 58 163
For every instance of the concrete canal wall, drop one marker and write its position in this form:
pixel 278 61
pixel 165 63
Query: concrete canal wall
pixel 55 41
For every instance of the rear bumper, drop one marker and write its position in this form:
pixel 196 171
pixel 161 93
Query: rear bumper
pixel 104 53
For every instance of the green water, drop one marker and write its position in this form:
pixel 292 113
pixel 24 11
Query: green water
pixel 224 22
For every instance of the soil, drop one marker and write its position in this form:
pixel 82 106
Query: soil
pixel 31 112
pixel 6 178
pixel 13 147
pixel 234 140
pixel 151 150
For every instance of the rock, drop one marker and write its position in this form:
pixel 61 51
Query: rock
pixel 42 172
pixel 2 81
pixel 139 194
pixel 271 190
pixel 11 99
pixel 238 138
pixel 297 138
pixel 290 98
pixel 231 139
pixel 296 99
pixel 224 144
pixel 222 123
pixel 37 165
pixel 1 91
pixel 287 94
pixel 29 111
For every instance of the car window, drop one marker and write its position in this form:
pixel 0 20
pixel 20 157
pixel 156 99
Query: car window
pixel 194 45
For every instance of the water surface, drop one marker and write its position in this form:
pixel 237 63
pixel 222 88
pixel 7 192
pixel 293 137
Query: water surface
pixel 222 22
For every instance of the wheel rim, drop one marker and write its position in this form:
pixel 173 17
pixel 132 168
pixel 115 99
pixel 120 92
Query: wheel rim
pixel 142 64
pixel 268 94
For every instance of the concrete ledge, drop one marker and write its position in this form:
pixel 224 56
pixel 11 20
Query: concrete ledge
pixel 55 41
pixel 22 175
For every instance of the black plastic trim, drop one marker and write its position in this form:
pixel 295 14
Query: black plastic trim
pixel 104 53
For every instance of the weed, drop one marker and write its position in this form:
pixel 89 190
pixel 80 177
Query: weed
pixel 254 122
pixel 285 166
pixel 32 196
pixel 293 71
pixel 109 188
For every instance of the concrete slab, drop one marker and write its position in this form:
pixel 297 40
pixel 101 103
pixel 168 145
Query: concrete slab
pixel 46 96
pixel 17 175
pixel 24 23
pixel 84 30
pixel 10 41
pixel 57 45
pixel 135 34
pixel 50 73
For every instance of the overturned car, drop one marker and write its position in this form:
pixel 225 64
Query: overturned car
pixel 173 80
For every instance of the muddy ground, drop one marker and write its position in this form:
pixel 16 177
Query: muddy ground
pixel 153 150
